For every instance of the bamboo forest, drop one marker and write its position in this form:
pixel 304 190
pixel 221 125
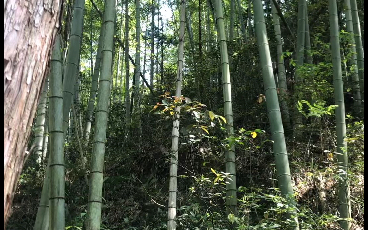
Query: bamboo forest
pixel 183 114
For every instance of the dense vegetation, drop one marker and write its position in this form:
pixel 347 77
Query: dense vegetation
pixel 136 170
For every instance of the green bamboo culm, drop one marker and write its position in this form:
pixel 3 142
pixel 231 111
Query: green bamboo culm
pixel 359 46
pixel 353 60
pixel 274 114
pixel 308 54
pixel 93 221
pixel 281 72
pixel 300 52
pixel 94 88
pixel 342 156
pixel 43 214
pixel 231 200
pixel 173 183
pixel 40 123
pixel 72 60
pixel 56 162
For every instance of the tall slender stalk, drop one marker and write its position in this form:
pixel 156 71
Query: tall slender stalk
pixel 308 53
pixel 353 60
pixel 274 114
pixel 93 220
pixel 94 87
pixel 72 60
pixel 228 110
pixel 173 183
pixel 40 123
pixel 281 72
pixel 56 166
pixel 152 42
pixel 127 69
pixel 300 52
pixel 43 215
pixel 359 46
pixel 342 156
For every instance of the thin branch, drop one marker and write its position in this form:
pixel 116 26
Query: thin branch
pixel 132 61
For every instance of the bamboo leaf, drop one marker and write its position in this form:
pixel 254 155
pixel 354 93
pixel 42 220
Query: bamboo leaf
pixel 204 129
pixel 223 119
pixel 211 114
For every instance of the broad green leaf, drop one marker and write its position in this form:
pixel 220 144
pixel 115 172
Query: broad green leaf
pixel 211 114
pixel 222 118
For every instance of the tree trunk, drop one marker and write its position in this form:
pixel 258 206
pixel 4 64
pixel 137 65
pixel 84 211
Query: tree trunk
pixel 353 59
pixel 94 87
pixel 173 183
pixel 299 62
pixel 93 220
pixel 241 19
pixel 200 29
pixel 56 167
pixel 127 77
pixel 152 42
pixel 45 140
pixel 281 72
pixel 72 60
pixel 342 156
pixel 209 28
pixel 190 32
pixel 249 19
pixel 359 46
pixel 40 124
pixel 43 214
pixel 162 55
pixel 232 19
pixel 29 31
pixel 158 77
pixel 231 200
pixel 137 71
pixel 273 109
pixel 307 50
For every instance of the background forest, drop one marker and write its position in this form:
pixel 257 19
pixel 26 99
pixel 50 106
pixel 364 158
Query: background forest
pixel 202 114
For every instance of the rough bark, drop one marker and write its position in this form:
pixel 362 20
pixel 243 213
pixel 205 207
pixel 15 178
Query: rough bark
pixel 29 30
